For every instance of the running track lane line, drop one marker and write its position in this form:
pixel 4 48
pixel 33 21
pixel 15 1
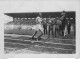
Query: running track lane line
pixel 16 35
pixel 39 46
pixel 23 49
pixel 39 41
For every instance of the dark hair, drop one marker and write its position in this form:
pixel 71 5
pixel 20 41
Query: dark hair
pixel 63 11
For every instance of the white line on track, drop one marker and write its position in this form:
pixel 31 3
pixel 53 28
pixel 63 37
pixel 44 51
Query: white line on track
pixel 39 41
pixel 38 46
pixel 22 49
pixel 16 43
pixel 10 48
pixel 16 35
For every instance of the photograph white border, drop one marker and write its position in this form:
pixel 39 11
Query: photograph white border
pixel 76 7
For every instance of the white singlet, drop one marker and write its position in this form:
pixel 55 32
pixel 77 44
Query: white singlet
pixel 38 26
pixel 38 19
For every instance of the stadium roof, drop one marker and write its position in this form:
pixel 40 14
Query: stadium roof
pixel 70 14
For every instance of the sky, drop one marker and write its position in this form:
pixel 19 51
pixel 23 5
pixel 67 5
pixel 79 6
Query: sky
pixel 19 6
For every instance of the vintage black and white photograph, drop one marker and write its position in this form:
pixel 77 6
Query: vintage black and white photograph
pixel 39 29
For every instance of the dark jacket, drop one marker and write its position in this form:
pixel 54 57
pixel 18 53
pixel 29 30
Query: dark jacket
pixel 64 20
pixel 50 24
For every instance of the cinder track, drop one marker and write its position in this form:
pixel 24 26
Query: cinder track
pixel 56 45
